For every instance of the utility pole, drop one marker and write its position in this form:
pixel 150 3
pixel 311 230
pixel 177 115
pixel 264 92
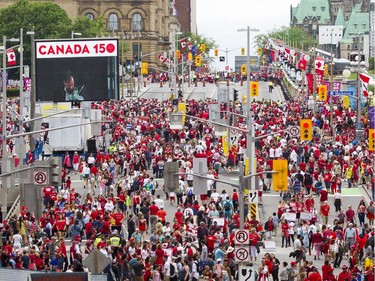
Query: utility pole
pixel 33 88
pixel 20 121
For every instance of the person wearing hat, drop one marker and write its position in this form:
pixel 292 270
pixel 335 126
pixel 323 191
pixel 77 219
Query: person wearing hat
pixel 115 242
pixel 344 274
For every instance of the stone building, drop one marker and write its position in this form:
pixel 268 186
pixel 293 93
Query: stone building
pixel 148 27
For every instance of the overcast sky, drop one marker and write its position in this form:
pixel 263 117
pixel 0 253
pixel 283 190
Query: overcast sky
pixel 220 20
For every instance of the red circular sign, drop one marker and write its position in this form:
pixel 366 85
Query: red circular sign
pixel 40 177
pixel 110 48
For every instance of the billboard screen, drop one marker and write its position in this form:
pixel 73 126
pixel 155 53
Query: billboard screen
pixel 76 70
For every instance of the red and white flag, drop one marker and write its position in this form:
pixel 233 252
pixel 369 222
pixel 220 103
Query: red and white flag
pixel 183 43
pixel 319 65
pixel 11 56
pixel 302 63
pixel 365 79
pixel 190 45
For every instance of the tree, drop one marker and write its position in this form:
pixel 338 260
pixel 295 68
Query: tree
pixel 197 40
pixel 48 20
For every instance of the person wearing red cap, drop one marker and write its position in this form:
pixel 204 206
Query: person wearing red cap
pixel 344 274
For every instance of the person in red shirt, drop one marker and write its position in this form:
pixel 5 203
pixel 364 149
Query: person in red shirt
pixel 327 270
pixel 118 217
pixel 324 211
pixel 344 275
pixel 162 215
pixel 211 239
pixel 314 275
pixel 317 239
pixel 323 195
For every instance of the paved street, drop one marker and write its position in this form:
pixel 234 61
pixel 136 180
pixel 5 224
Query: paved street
pixel 270 199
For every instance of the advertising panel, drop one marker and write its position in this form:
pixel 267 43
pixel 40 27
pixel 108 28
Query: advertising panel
pixel 76 70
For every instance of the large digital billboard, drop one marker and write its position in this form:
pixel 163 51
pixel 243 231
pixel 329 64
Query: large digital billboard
pixel 76 70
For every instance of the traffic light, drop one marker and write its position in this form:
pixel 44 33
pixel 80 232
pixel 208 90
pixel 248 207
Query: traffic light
pixel 243 69
pixel 203 48
pixel 198 61
pixel 371 139
pixel 259 51
pixel 280 177
pixel 306 129
pixel 216 52
pixel 171 177
pixel 252 62
pixel 254 88
pixel 55 171
pixel 178 54
pixel 235 95
pixel 326 70
pixel 242 51
pixel 144 68
pixel 190 56
pixel 322 92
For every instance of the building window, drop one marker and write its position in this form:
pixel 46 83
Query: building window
pixel 323 8
pixel 90 16
pixel 137 22
pixel 348 47
pixel 314 9
pixel 318 17
pixel 112 22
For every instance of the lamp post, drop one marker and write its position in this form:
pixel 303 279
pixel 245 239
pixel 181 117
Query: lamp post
pixel 72 34
pixel 4 164
pixel 21 82
pixel 175 65
pixel 250 142
pixel 331 92
pixel 33 87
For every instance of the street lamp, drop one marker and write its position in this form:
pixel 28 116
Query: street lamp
pixel 4 164
pixel 250 142
pixel 72 34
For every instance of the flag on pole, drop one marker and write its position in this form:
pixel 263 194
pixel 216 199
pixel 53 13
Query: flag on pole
pixel 11 56
pixel 365 79
pixel 190 45
pixel 319 65
pixel 183 43
pixel 302 63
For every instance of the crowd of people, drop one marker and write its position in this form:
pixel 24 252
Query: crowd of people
pixel 122 211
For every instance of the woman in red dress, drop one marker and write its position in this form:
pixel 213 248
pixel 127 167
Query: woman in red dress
pixel 142 226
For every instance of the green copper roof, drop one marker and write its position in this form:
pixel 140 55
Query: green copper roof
pixel 358 24
pixel 340 20
pixel 312 8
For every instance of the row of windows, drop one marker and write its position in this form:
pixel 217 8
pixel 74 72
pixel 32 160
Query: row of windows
pixel 113 22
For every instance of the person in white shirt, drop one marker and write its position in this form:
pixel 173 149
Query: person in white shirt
pixel 91 160
pixel 159 202
pixel 109 206
pixel 215 196
pixel 272 152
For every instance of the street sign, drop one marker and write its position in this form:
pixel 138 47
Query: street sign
pixel 221 58
pixel 246 273
pixel 294 131
pixel 253 196
pixel 342 93
pixel 40 178
pixel 96 261
pixel 242 253
pixel 241 236
pixel 227 68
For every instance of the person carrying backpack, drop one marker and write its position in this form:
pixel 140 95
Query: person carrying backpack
pixel 228 208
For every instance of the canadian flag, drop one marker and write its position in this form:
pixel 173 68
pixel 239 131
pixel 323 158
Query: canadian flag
pixel 183 43
pixel 319 65
pixel 190 46
pixel 11 57
pixel 302 63
pixel 365 79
